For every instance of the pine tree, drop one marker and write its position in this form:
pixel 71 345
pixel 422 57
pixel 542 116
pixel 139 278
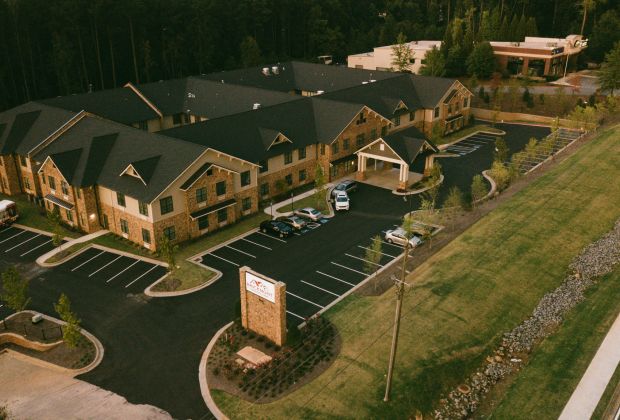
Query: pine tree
pixel 513 34
pixel 521 31
pixel 435 63
pixel 531 27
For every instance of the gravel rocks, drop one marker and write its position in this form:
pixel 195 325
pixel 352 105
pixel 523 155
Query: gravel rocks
pixel 595 260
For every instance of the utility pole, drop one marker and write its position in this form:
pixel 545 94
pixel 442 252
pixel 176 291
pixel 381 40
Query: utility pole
pixel 400 291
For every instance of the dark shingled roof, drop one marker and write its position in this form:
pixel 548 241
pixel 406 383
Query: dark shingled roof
pixel 109 148
pixel 58 201
pixel 27 125
pixel 305 121
pixel 121 105
pixel 67 162
pixel 408 143
pixel 297 76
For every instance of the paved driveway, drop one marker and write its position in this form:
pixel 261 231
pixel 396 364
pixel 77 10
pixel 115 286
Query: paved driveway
pixel 153 346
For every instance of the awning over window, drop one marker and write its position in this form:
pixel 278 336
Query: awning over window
pixel 456 117
pixel 208 210
pixel 62 203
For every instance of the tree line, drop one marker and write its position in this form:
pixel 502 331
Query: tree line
pixel 72 46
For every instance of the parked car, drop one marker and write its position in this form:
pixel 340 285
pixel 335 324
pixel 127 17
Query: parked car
pixel 399 236
pixel 309 213
pixel 342 201
pixel 277 228
pixel 347 186
pixel 295 222
pixel 8 213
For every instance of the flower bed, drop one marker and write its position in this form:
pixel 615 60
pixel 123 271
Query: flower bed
pixel 311 351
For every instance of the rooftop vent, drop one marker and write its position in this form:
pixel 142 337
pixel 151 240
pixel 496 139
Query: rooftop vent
pixel 275 70
pixel 364 82
pixel 191 95
pixel 256 106
pixel 372 80
pixel 266 71
pixel 320 92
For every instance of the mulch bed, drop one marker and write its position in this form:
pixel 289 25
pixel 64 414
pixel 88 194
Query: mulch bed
pixel 310 353
pixel 169 284
pixel 48 332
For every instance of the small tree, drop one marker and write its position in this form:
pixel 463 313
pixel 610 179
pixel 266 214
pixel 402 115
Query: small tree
pixel 501 150
pixel 55 219
pixel 478 190
pixel 319 184
pixel 168 251
pixel 428 216
pixel 70 331
pixel 432 183
pixel 401 53
pixel 453 204
pixel 500 175
pixel 435 63
pixel 436 132
pixel 531 148
pixel 14 290
pixel 372 257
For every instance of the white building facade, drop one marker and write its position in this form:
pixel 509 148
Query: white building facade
pixel 381 57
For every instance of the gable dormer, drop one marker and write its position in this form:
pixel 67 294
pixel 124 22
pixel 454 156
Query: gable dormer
pixel 142 169
pixel 273 137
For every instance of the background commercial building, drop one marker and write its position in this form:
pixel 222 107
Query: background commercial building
pixel 381 57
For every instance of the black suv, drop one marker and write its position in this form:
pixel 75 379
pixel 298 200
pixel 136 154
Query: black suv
pixel 276 227
pixel 347 186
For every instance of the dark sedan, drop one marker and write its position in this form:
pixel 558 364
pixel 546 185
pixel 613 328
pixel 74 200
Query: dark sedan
pixel 277 228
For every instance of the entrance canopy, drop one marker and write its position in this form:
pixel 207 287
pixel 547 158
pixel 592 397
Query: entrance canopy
pixel 400 149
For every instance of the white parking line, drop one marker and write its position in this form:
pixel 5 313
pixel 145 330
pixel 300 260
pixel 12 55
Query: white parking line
pixel 394 245
pixel 17 234
pixel 20 244
pixel 87 261
pixel 335 278
pixel 304 299
pixel 101 268
pixel 4 230
pixel 223 259
pixel 36 247
pixel 294 314
pixel 257 244
pixel 349 268
pixel 361 259
pixel 238 250
pixel 269 236
pixel 142 275
pixel 122 271
pixel 320 288
pixel 377 252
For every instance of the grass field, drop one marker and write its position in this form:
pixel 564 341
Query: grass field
pixel 482 284
pixel 562 359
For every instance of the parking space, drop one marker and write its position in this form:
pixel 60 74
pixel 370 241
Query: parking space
pixel 126 274
pixel 471 144
pixel 563 138
pixel 24 244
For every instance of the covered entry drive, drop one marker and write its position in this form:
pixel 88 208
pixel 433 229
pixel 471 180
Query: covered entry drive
pixel 396 161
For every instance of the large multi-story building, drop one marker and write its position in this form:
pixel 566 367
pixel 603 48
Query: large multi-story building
pixel 182 158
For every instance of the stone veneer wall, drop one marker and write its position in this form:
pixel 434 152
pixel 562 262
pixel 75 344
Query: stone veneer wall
pixel 309 164
pixel 50 170
pixel 9 184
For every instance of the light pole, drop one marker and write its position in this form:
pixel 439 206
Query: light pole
pixel 292 199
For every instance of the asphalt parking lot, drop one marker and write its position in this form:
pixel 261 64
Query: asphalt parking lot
pixel 153 346
pixel 23 244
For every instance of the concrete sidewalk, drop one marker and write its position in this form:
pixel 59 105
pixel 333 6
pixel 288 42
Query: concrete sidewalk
pixel 590 389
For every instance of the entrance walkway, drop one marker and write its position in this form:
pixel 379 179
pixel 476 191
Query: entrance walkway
pixel 590 389
pixel 388 178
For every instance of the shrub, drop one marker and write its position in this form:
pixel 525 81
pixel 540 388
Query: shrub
pixel 500 175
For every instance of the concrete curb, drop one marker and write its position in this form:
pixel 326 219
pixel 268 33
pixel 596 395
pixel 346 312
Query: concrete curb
pixel 493 190
pixel 41 261
pixel 204 285
pixel 202 375
pixel 73 372
pixel 43 258
pixel 130 255
pixel 419 191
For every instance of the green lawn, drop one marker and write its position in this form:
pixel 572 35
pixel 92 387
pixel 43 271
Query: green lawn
pixel 480 285
pixel 562 359
pixel 310 201
pixel 34 216
pixel 606 398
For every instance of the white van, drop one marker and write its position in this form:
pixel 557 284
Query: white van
pixel 8 213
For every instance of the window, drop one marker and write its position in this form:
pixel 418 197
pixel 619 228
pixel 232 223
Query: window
pixel 143 125
pixel 301 153
pixel 412 61
pixel 77 193
pixel 124 227
pixel 288 157
pixel 176 119
pixel 359 140
pixel 105 221
pixel 220 188
pixel 384 131
pixel 69 216
pixel 322 149
pixel 345 144
pixel 360 119
pixel 166 205
pixel 222 215
pixel 264 166
pixel 436 114
pixel 52 182
pixel 22 160
pixel 302 175
pixel 397 120
pixel 203 223
pixel 81 219
pixel 465 102
pixel 264 189
pixel 335 147
pixel 64 187
pixel 245 178
pixel 246 203
pixel 373 134
pixel 289 179
pixel 143 208
pixel 43 179
pixel 26 183
pixel 411 115
pixel 146 236
pixel 201 195
pixel 170 233
pixel 449 109
pixel 120 199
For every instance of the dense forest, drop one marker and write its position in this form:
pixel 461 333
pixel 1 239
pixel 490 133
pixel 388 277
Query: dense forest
pixel 59 47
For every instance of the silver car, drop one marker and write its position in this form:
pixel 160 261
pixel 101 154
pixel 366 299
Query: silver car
pixel 309 213
pixel 295 222
pixel 399 236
